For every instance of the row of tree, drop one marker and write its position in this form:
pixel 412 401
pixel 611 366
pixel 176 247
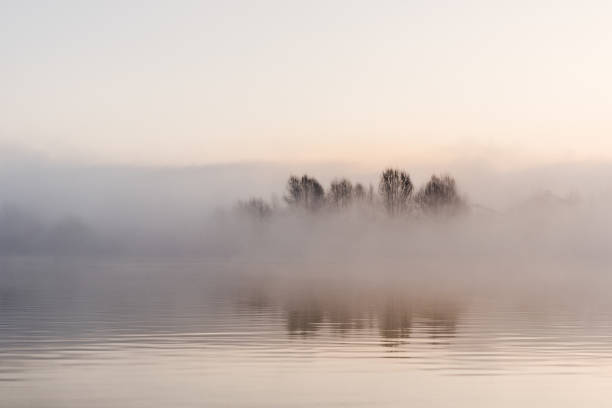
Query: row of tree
pixel 395 193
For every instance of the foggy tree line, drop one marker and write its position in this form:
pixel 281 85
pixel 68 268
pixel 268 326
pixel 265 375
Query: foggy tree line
pixel 396 195
pixel 22 232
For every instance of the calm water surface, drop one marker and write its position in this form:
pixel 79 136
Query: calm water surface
pixel 159 333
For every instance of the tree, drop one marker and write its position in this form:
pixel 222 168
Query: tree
pixel 395 187
pixel 255 208
pixel 294 191
pixel 359 193
pixel 305 192
pixel 341 193
pixel 440 193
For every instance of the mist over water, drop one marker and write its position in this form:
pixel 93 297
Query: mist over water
pixel 305 204
pixel 551 245
pixel 116 282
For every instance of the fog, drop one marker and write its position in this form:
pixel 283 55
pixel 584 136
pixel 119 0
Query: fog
pixel 538 231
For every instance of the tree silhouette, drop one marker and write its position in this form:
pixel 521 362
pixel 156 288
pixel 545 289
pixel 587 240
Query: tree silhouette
pixel 256 208
pixel 341 193
pixel 395 187
pixel 305 192
pixel 359 192
pixel 440 193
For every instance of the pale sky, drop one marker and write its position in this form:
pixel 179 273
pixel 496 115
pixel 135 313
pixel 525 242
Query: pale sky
pixel 196 82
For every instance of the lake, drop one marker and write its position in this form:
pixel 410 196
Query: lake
pixel 202 333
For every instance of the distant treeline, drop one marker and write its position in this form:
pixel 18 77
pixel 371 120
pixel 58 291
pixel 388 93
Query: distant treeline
pixel 24 233
pixel 395 195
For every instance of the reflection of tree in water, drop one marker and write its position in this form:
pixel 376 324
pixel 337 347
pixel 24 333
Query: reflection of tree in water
pixel 395 320
pixel 343 316
pixel 441 321
pixel 304 320
pixel 342 312
pixel 396 315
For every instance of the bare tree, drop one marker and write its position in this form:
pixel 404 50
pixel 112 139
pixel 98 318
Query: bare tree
pixel 255 208
pixel 440 193
pixel 341 193
pixel 395 187
pixel 294 191
pixel 305 192
pixel 359 192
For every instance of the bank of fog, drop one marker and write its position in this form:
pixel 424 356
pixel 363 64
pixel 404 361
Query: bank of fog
pixel 550 248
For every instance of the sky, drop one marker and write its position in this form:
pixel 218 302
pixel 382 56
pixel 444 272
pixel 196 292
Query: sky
pixel 202 82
